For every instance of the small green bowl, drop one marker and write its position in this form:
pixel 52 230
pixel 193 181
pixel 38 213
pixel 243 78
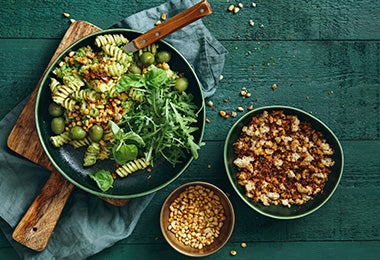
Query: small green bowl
pixel 280 211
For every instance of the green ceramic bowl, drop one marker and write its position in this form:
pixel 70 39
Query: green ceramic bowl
pixel 68 161
pixel 280 211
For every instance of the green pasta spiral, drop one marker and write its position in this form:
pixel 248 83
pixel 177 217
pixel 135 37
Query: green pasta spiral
pixel 116 39
pixel 91 154
pixel 80 143
pixel 118 54
pixel 131 167
pixel 60 140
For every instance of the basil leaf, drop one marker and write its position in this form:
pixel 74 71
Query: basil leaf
pixel 156 77
pixel 128 81
pixel 124 153
pixel 103 179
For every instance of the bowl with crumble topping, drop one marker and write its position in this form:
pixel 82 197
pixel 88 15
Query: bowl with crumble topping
pixel 282 161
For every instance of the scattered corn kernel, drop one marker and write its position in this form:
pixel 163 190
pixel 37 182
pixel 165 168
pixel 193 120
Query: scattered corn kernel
pixel 253 4
pixel 243 93
pixel 66 14
pixel 207 120
pixel 250 107
pixel 231 8
pixel 72 20
pixel 163 16
pixel 233 114
pixel 240 5
pixel 220 77
pixel 222 113
pixel 243 245
pixel 274 86
pixel 210 103
pixel 251 23
pixel 240 109
pixel 236 10
pixel 157 23
pixel 233 252
pixel 248 94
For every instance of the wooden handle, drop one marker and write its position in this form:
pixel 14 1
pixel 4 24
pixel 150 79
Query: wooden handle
pixel 180 20
pixel 37 225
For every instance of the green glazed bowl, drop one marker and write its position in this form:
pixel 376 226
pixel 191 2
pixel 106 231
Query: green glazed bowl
pixel 68 161
pixel 280 211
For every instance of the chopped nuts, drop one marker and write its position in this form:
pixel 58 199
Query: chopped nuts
pixel 196 216
pixel 282 160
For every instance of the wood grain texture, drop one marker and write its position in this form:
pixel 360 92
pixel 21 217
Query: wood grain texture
pixel 23 138
pixel 173 24
pixel 325 58
pixel 37 225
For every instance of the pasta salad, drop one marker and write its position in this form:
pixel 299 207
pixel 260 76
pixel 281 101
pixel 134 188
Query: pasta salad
pixel 128 107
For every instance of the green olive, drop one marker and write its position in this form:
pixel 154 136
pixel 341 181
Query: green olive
pixel 77 133
pixel 163 56
pixel 96 133
pixel 57 125
pixel 147 58
pixel 55 109
pixel 134 69
pixel 181 84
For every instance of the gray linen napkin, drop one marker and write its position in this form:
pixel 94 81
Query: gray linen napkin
pixel 88 224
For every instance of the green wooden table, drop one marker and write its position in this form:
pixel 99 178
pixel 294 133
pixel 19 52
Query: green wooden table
pixel 324 57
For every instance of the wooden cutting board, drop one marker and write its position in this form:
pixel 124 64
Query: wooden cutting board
pixel 36 227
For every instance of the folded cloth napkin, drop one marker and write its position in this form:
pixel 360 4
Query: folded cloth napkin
pixel 87 224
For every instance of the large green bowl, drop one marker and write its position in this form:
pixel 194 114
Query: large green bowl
pixel 68 161
pixel 279 211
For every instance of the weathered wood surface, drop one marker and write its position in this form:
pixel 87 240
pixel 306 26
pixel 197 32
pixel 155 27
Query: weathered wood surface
pixel 325 58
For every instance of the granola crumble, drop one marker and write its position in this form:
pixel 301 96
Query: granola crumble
pixel 282 160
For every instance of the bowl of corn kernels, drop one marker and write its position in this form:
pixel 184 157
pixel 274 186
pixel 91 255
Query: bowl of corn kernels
pixel 197 219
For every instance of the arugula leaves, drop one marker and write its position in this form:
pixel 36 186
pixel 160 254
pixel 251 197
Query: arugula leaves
pixel 165 120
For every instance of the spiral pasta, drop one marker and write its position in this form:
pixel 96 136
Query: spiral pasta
pixel 59 140
pixel 131 167
pixel 136 94
pixel 91 154
pixel 116 39
pixel 85 95
pixel 115 69
pixel 80 143
pixel 118 54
